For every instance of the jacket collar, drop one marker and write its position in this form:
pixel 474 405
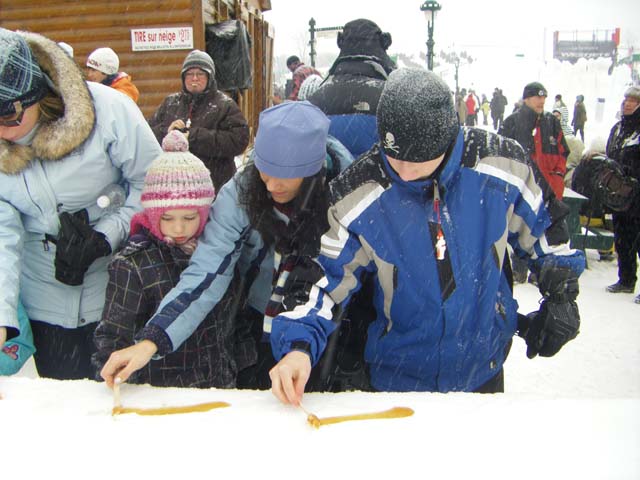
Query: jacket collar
pixel 57 139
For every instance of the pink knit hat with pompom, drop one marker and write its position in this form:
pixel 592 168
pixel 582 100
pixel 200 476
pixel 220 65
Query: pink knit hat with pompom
pixel 177 179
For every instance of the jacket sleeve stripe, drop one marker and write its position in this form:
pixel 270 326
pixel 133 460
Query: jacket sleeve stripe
pixel 515 173
pixel 367 194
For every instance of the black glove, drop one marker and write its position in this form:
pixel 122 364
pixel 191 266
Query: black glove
pixel 558 319
pixel 550 328
pixel 78 246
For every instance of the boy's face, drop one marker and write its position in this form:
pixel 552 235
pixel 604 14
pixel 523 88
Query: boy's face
pixel 409 171
pixel 282 190
pixel 180 224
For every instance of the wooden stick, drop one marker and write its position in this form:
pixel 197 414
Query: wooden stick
pixel 116 394
pixel 306 412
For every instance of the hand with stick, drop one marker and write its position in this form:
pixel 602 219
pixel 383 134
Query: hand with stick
pixel 122 363
pixel 289 377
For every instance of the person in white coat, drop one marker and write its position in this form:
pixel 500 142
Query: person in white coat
pixel 62 142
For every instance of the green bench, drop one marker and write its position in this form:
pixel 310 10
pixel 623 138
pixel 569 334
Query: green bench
pixel 581 236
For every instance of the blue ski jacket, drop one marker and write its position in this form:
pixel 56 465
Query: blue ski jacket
pixel 445 312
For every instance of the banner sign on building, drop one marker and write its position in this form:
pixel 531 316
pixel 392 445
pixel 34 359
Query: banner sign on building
pixel 170 38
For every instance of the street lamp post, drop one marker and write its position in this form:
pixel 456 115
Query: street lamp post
pixel 430 7
pixel 312 41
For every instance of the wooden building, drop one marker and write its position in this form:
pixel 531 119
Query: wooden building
pixel 90 24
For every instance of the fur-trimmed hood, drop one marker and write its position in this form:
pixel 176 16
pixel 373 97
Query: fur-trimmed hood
pixel 57 139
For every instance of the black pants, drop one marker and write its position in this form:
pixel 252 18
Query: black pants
pixel 626 230
pixel 63 353
pixel 256 377
pixel 493 385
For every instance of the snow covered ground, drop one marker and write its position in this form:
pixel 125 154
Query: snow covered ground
pixel 576 415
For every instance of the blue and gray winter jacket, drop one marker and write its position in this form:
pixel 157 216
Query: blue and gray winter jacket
pixel 441 324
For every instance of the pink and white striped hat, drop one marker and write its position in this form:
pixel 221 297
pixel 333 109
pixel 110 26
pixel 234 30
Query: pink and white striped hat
pixel 177 179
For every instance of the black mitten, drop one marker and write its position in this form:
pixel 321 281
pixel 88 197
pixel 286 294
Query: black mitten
pixel 77 247
pixel 550 328
pixel 558 319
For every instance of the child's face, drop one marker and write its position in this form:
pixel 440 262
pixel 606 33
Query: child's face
pixel 282 190
pixel 180 224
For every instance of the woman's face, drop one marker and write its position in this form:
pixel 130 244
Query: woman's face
pixel 94 75
pixel 196 80
pixel 29 119
pixel 629 105
pixel 282 190
pixel 180 224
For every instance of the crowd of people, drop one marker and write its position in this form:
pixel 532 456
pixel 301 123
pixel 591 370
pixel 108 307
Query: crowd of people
pixel 344 254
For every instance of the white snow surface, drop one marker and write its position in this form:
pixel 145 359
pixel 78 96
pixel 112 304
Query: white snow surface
pixel 575 415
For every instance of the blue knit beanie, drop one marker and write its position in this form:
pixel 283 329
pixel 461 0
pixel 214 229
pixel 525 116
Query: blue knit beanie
pixel 20 76
pixel 292 140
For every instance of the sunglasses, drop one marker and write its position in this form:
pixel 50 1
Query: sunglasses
pixel 15 119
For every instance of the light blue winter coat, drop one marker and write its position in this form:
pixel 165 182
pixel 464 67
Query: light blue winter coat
pixel 109 142
pixel 228 240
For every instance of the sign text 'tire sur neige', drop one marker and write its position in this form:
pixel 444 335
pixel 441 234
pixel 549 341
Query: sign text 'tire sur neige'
pixel 161 38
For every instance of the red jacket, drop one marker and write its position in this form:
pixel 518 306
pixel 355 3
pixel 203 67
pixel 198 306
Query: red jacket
pixel 542 138
pixel 550 154
pixel 471 105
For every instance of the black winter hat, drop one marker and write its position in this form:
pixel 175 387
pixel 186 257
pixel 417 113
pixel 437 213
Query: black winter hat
pixel 534 89
pixel 416 118
pixel 364 37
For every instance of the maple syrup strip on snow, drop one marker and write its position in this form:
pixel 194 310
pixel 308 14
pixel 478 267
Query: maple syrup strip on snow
pixel 200 407
pixel 395 412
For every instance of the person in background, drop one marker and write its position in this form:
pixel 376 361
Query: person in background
pixel 461 106
pixel 309 86
pixel 62 142
pixel 561 107
pixel 216 128
pixel 445 309
pixel 579 117
pixel 540 134
pixel 349 95
pixel 498 104
pixel 270 211
pixel 176 199
pixel 102 67
pixel 68 49
pixel 18 350
pixel 299 73
pixel 486 108
pixel 623 146
pixel 472 109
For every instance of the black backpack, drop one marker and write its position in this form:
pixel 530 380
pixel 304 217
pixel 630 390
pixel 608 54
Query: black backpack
pixel 604 182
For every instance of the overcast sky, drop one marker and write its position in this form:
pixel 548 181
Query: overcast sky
pixel 461 24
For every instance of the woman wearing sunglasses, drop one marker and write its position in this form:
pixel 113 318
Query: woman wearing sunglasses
pixel 62 142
